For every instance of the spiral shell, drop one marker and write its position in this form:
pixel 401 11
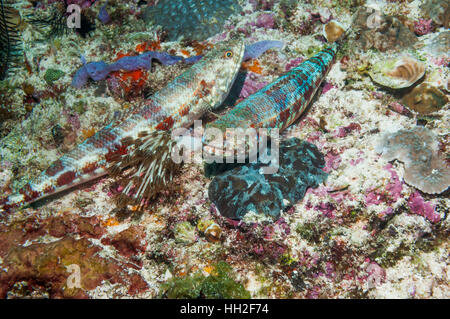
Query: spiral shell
pixel 397 73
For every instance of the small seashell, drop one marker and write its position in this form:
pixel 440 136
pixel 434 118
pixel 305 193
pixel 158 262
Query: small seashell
pixel 397 73
pixel 425 99
pixel 213 233
pixel 333 30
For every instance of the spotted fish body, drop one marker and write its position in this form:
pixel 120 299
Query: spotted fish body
pixel 280 103
pixel 199 89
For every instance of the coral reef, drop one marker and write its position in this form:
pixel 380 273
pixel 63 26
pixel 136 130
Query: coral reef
pixel 245 188
pixel 366 232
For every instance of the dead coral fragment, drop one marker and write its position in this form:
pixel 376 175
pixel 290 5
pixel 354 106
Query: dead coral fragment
pixel 397 73
pixel 425 99
pixel 418 148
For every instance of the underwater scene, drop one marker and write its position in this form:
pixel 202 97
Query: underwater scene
pixel 232 149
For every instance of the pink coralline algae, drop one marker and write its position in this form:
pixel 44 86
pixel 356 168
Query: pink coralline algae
pixel 265 20
pixel 293 63
pixel 326 87
pixel 327 209
pixel 400 109
pixel 251 85
pixel 389 195
pixel 332 162
pixel 423 26
pixel 376 275
pixel 346 130
pixel 420 207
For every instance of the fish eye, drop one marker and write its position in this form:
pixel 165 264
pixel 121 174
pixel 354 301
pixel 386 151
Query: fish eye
pixel 228 54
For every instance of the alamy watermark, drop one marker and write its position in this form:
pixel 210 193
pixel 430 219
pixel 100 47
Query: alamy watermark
pixel 74 280
pixel 237 145
pixel 74 18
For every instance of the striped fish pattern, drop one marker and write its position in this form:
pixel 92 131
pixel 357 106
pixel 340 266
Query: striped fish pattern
pixel 202 87
pixel 280 103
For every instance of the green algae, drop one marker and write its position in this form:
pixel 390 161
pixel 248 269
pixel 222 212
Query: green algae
pixel 52 75
pixel 220 284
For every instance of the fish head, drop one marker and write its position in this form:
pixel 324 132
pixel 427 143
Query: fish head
pixel 221 66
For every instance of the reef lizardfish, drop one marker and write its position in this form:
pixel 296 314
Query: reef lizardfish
pixel 281 102
pixel 199 89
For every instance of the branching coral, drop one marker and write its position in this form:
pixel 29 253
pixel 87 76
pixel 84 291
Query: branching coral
pixel 418 148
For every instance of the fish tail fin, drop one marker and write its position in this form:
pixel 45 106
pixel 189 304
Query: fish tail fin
pixel 146 169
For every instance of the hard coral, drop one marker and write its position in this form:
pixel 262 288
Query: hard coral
pixel 191 19
pixel 425 99
pixel 396 73
pixel 382 32
pixel 438 11
pixel 418 149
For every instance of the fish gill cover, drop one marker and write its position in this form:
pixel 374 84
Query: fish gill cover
pixel 9 38
pixel 192 19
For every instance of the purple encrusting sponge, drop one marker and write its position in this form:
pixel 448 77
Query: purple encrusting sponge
pixel 100 70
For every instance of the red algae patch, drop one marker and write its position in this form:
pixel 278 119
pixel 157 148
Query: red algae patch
pixel 47 263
